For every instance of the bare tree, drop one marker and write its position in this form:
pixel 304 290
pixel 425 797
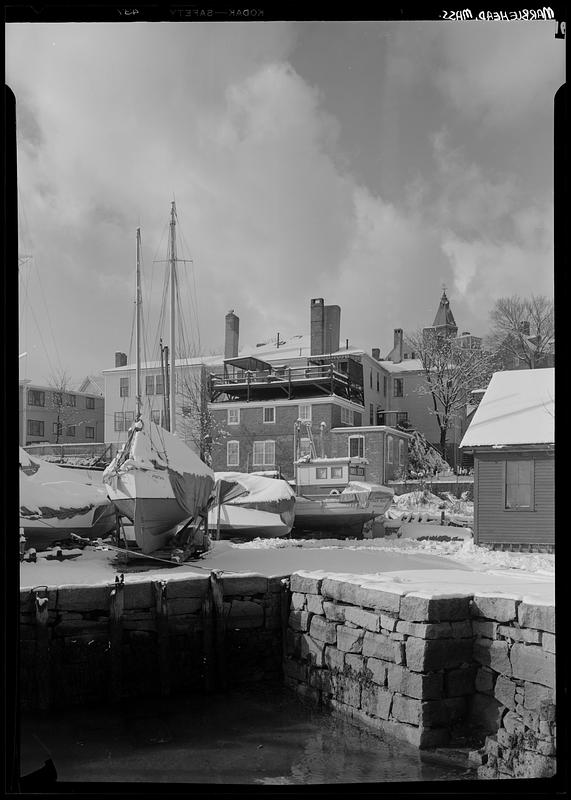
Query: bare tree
pixel 450 372
pixel 198 425
pixel 62 401
pixel 523 329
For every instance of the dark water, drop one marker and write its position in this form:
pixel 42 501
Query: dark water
pixel 264 736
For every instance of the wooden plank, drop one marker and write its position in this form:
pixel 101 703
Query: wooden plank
pixel 162 622
pixel 43 661
pixel 217 590
pixel 116 605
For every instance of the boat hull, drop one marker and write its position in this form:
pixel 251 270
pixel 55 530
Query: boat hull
pixel 240 521
pixel 326 516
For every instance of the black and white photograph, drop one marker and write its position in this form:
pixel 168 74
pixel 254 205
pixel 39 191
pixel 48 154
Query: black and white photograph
pixel 286 399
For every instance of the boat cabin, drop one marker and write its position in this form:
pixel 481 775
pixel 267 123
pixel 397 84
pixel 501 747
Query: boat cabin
pixel 324 475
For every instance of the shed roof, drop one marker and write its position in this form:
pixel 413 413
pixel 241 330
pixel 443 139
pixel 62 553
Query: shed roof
pixel 518 408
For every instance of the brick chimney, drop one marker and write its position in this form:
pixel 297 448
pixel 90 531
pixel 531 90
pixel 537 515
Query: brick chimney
pixel 120 359
pixel 325 327
pixel 396 353
pixel 376 353
pixel 231 337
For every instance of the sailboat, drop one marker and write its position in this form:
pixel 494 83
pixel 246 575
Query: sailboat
pixel 156 480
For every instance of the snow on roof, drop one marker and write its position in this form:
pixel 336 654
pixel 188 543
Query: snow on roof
pixel 517 408
pixel 406 365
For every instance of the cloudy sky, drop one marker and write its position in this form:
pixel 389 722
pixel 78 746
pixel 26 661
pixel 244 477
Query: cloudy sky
pixel 367 163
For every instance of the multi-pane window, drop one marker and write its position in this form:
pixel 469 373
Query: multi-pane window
pixel 390 442
pixel 305 411
pixel 70 400
pixel 269 414
pixel 35 427
pixel 123 387
pixel 123 420
pixel 70 430
pixel 264 454
pixel 398 387
pixel 90 402
pixel 378 382
pixel 149 384
pixel 337 472
pixel 304 447
pixel 233 416
pixel 159 384
pixel 371 378
pixel 519 484
pixel 89 432
pixel 36 398
pixel 233 454
pixel 401 452
pixel 346 416
pixel 321 473
pixel 371 414
pixel 385 384
pixel 356 446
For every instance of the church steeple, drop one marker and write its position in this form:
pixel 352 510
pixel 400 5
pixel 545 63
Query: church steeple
pixel 444 322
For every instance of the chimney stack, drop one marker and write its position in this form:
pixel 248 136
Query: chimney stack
pixel 120 359
pixel 397 349
pixel 325 327
pixel 376 353
pixel 232 333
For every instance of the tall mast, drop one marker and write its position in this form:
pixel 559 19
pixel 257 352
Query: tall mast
pixel 172 397
pixel 138 326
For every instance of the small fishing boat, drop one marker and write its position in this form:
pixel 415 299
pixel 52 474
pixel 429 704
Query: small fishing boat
pixel 156 480
pixel 332 495
pixel 56 501
pixel 251 506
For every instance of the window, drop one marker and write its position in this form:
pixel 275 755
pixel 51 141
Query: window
pixel 149 384
pixel 264 454
pixel 389 449
pixel 385 383
pixel 269 414
pixel 371 378
pixel 378 382
pixel 304 447
pixel 356 446
pixel 519 485
pixel 89 432
pixel 397 387
pixel 321 473
pixel 36 398
pixel 346 416
pixel 57 429
pixel 57 399
pixel 233 416
pixel 90 402
pixel 70 430
pixel 35 427
pixel 123 387
pixel 70 400
pixel 337 472
pixel 305 412
pixel 123 420
pixel 233 454
pixel 371 414
pixel 159 384
pixel 401 452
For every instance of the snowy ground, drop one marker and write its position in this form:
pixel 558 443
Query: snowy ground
pixel 434 566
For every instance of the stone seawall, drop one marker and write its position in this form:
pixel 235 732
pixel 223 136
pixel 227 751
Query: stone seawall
pixel 81 644
pixel 422 667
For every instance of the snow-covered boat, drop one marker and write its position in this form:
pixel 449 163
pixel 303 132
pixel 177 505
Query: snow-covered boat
pixel 156 480
pixel 56 501
pixel 251 506
pixel 332 495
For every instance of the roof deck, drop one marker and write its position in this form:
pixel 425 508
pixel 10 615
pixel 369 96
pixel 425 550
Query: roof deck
pixel 250 379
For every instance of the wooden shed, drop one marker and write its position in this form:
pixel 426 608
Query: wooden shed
pixel 512 438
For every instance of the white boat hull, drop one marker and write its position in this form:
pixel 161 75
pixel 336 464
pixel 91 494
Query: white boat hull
pixel 242 521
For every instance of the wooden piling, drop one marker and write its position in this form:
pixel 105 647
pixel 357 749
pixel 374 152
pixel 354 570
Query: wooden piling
pixel 217 590
pixel 162 621
pixel 43 662
pixel 116 605
pixel 207 640
pixel 284 613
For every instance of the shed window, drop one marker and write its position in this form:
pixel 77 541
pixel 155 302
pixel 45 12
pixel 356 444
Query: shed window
pixel 389 449
pixel 321 473
pixel 519 485
pixel 356 446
